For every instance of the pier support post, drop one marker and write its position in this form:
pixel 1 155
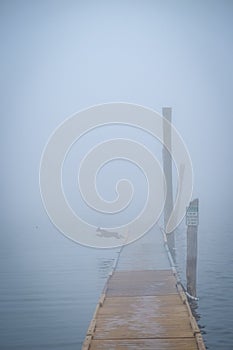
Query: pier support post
pixel 167 168
pixel 191 263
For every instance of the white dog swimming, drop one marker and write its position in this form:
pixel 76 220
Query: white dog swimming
pixel 108 234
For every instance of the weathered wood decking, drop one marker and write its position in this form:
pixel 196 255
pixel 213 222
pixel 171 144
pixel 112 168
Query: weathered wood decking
pixel 142 306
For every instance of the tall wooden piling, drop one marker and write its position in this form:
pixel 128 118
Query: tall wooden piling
pixel 167 168
pixel 191 262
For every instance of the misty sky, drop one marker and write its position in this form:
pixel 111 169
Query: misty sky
pixel 58 57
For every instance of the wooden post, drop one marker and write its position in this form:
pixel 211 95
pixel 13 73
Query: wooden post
pixel 167 168
pixel 181 180
pixel 191 263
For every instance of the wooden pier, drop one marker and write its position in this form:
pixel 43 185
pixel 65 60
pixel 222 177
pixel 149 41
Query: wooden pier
pixel 143 305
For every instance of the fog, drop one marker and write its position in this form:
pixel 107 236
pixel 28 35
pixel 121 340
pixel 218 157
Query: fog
pixel 60 57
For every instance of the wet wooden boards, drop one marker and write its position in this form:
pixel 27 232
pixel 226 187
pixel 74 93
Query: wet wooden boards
pixel 142 310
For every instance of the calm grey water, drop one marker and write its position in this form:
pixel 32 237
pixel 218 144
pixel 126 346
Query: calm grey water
pixel 49 290
pixel 50 286
pixel 215 280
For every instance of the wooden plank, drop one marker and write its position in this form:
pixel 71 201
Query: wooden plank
pixel 144 274
pixel 91 327
pixel 101 300
pixel 200 342
pixel 87 342
pixel 143 317
pixel 129 328
pixel 159 305
pixel 144 344
pixel 147 253
pixel 139 283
